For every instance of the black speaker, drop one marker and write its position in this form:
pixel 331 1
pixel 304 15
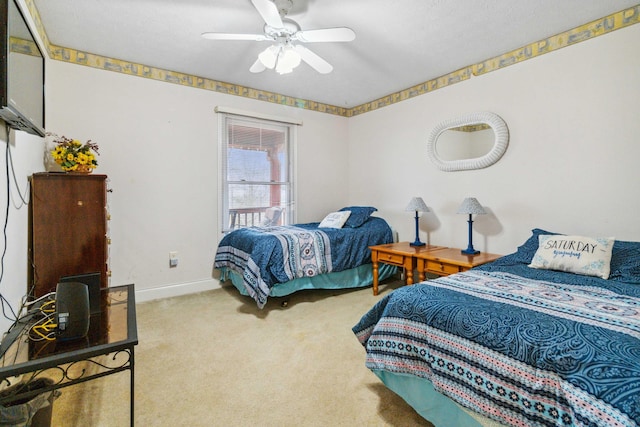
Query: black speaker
pixel 92 280
pixel 72 310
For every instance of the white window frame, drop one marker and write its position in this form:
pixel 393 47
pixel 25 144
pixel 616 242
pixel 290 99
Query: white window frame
pixel 228 117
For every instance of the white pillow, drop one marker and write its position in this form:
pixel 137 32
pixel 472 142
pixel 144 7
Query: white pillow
pixel 335 219
pixel 574 254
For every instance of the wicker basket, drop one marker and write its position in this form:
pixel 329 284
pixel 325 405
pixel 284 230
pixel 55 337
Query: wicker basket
pixel 83 169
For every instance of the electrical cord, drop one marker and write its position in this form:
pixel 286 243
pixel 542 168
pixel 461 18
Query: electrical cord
pixel 44 329
pixel 23 199
pixel 28 303
pixel 5 303
pixel 48 307
pixel 37 324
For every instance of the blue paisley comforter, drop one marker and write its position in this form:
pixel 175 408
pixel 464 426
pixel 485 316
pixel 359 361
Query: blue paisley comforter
pixel 523 351
pixel 266 256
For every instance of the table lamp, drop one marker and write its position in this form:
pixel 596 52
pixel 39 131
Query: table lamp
pixel 471 206
pixel 417 204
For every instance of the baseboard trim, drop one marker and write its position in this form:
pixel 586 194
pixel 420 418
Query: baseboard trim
pixel 168 291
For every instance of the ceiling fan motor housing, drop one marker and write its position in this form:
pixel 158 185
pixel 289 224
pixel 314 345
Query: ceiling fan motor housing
pixel 289 28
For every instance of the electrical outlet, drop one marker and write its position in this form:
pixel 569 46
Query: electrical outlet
pixel 173 259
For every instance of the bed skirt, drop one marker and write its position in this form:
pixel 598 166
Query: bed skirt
pixel 432 405
pixel 357 277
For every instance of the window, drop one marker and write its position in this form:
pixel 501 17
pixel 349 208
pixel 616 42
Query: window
pixel 256 172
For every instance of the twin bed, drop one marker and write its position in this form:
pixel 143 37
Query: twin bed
pixel 276 261
pixel 522 346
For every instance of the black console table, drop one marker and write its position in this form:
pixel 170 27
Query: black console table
pixel 107 349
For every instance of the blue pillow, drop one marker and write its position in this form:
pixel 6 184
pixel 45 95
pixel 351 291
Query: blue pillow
pixel 528 249
pixel 359 215
pixel 625 262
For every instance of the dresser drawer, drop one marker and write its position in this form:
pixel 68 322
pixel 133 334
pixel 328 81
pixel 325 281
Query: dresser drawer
pixel 442 268
pixel 393 259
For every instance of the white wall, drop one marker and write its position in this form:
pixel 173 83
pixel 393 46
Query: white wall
pixel 571 165
pixel 158 146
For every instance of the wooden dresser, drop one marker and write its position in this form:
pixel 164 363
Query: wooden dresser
pixel 68 228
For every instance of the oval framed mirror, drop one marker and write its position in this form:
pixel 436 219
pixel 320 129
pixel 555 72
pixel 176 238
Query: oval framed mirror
pixel 472 141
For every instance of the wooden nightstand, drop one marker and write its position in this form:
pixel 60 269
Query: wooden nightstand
pixel 400 254
pixel 449 261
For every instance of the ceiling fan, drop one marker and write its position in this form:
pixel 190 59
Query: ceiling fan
pixel 286 52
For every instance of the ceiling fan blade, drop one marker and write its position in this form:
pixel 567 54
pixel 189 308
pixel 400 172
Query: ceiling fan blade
pixel 339 34
pixel 317 63
pixel 269 12
pixel 257 67
pixel 231 36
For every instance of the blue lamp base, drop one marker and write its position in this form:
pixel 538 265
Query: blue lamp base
pixel 470 250
pixel 417 242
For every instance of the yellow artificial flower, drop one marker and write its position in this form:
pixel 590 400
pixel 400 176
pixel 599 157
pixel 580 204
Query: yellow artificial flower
pixel 70 153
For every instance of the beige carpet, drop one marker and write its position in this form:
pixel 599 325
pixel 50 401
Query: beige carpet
pixel 215 359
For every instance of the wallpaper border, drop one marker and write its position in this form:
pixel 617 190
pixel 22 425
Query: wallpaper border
pixel 579 34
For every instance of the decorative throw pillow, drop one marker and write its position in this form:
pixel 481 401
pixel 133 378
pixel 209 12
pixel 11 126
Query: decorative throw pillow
pixel 359 215
pixel 574 254
pixel 335 219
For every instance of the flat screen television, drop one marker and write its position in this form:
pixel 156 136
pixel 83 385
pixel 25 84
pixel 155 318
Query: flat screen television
pixel 21 72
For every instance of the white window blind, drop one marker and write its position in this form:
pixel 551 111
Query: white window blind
pixel 256 165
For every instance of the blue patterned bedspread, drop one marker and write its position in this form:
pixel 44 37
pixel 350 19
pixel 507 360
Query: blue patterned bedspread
pixel 266 256
pixel 523 351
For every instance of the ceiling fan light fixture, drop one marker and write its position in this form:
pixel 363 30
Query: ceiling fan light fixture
pixel 269 56
pixel 288 59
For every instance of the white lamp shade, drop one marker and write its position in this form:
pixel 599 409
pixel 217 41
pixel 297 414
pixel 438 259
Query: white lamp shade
pixel 470 205
pixel 283 58
pixel 288 59
pixel 417 205
pixel 268 56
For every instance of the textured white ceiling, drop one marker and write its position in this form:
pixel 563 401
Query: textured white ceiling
pixel 399 43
